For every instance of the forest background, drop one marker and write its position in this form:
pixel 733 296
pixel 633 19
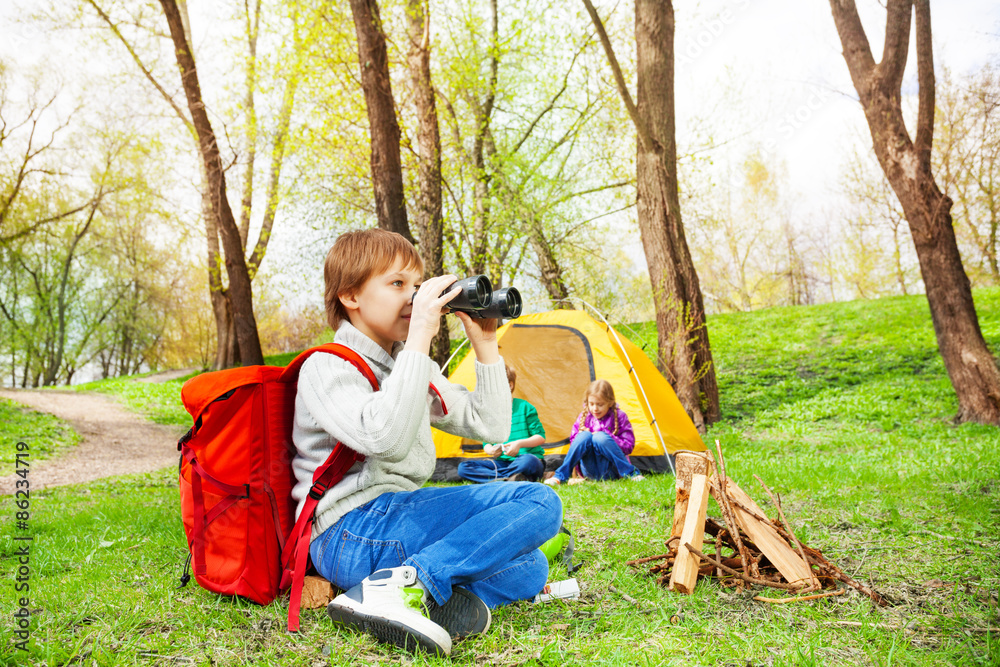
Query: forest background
pixel 103 263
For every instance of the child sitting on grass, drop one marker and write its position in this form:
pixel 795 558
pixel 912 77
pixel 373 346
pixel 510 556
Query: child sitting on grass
pixel 522 457
pixel 600 441
pixel 419 566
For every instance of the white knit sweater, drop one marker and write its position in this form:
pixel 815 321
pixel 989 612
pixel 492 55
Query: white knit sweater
pixel 391 427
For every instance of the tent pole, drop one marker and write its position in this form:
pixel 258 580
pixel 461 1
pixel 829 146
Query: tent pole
pixel 444 368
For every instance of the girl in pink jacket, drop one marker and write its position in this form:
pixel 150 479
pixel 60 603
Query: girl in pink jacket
pixel 600 441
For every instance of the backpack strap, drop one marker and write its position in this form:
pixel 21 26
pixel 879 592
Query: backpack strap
pixel 201 520
pixel 295 555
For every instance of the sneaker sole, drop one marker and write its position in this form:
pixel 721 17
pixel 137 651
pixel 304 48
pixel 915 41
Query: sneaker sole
pixel 384 629
pixel 462 615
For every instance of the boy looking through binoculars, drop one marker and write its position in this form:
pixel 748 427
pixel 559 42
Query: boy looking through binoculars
pixel 419 566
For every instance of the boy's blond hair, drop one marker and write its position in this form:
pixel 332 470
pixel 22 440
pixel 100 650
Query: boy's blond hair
pixel 511 375
pixel 357 256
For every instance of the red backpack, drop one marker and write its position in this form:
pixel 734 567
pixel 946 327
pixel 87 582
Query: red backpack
pixel 236 480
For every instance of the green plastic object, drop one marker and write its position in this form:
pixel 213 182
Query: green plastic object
pixel 552 547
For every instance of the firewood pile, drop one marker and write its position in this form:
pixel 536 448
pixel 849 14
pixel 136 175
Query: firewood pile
pixel 749 548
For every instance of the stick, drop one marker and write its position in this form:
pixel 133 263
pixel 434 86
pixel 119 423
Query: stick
pixel 815 582
pixel 730 516
pixel 949 537
pixel 836 573
pixel 737 573
pixel 639 561
pixel 858 624
pixel 839 591
pixel 685 573
pixel 826 567
pixel 628 598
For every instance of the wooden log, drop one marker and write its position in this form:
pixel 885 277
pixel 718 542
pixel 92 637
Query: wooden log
pixel 316 592
pixel 687 463
pixel 685 572
pixel 826 568
pixel 782 556
pixel 814 582
pixel 719 482
pixel 740 575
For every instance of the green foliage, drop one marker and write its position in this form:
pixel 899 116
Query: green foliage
pixel 843 410
pixel 49 435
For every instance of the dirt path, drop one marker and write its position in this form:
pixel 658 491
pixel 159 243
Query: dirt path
pixel 114 440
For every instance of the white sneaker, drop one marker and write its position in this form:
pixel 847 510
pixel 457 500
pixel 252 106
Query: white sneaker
pixel 637 478
pixel 389 605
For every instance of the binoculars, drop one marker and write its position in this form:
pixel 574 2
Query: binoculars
pixel 478 299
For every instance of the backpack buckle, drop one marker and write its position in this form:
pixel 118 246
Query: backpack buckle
pixel 185 438
pixel 317 491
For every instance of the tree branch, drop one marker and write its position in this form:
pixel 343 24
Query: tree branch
pixel 857 51
pixel 252 28
pixel 925 81
pixel 644 133
pixel 552 103
pixel 277 160
pixel 148 74
pixel 889 72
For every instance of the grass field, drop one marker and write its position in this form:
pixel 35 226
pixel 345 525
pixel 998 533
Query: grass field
pixel 49 434
pixel 844 409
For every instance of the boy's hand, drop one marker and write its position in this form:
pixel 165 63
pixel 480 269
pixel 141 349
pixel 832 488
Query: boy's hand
pixel 493 451
pixel 512 448
pixel 429 304
pixel 482 335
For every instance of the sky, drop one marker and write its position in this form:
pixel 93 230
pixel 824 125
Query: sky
pixel 766 73
pixel 786 58
pixel 784 55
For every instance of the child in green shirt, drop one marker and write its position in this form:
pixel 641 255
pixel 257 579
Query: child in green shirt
pixel 522 457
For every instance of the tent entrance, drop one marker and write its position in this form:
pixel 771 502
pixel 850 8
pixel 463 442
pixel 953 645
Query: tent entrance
pixel 553 383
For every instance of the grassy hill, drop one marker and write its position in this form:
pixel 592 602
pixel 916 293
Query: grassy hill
pixel 843 409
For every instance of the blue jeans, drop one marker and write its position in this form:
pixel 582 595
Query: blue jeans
pixel 483 538
pixel 598 456
pixel 490 470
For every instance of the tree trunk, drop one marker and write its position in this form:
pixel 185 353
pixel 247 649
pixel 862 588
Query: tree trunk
pixel 971 367
pixel 224 357
pixel 483 149
pixel 430 220
pixel 240 292
pixel 249 105
pixel 682 335
pixel 549 271
pixel 680 311
pixel 292 77
pixel 387 172
pixel 56 358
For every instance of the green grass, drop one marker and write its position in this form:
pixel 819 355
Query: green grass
pixel 48 435
pixel 158 401
pixel 843 409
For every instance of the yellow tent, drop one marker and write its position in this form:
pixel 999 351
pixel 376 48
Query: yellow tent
pixel 556 355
